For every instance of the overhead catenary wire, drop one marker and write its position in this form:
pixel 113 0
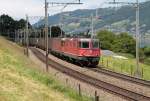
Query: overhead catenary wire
pixel 137 7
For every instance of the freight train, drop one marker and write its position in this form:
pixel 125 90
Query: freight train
pixel 81 50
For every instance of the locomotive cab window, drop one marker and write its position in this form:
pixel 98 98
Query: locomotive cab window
pixel 95 44
pixel 84 44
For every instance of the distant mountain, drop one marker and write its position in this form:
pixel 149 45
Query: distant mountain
pixel 115 19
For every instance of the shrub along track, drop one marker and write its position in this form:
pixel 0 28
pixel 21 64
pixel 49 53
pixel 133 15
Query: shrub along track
pixel 126 94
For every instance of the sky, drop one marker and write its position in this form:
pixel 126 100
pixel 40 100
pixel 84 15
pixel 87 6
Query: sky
pixel 19 8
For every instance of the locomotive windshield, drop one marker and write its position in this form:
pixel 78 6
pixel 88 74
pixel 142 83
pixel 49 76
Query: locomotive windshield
pixel 84 44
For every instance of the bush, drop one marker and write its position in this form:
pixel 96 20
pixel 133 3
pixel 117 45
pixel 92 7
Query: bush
pixel 106 39
pixel 147 61
pixel 141 55
pixel 147 51
pixel 123 42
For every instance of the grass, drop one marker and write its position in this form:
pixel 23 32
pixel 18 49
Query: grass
pixel 127 66
pixel 147 61
pixel 20 81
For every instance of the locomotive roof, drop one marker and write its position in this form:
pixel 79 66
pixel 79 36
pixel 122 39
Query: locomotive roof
pixel 88 39
pixel 80 39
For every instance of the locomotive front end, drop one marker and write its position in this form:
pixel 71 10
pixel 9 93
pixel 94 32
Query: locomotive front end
pixel 89 51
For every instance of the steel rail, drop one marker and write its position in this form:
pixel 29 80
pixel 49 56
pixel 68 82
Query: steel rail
pixel 126 94
pixel 122 76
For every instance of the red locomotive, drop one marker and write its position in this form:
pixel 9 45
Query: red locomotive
pixel 81 50
pixel 85 51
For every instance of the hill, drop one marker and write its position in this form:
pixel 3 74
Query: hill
pixel 20 81
pixel 121 19
pixel 110 17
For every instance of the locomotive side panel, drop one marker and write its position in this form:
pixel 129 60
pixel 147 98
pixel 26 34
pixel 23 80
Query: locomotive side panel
pixel 41 43
pixel 56 45
pixel 70 47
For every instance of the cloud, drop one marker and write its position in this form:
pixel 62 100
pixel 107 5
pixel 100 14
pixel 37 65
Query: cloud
pixel 19 8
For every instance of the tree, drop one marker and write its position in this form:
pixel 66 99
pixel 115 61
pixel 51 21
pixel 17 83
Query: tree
pixel 56 31
pixel 124 43
pixel 21 24
pixel 106 39
pixel 147 51
pixel 6 24
pixel 9 25
pixel 141 54
pixel 118 43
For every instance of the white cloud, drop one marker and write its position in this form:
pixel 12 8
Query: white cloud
pixel 18 8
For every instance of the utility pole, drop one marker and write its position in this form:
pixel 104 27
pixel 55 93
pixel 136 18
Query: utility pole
pixel 18 36
pixel 92 27
pixel 46 32
pixel 96 15
pixel 61 18
pixel 138 71
pixel 46 24
pixel 15 36
pixel 24 31
pixel 27 35
pixel 21 37
pixel 64 6
pixel 50 37
pixel 137 6
pixel 50 31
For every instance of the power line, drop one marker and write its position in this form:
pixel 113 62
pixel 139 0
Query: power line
pixel 136 5
pixel 46 22
pixel 27 35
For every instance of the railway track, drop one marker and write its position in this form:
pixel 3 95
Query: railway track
pixel 122 77
pixel 126 94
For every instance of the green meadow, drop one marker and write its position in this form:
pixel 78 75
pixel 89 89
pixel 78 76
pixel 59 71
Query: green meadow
pixel 21 81
pixel 125 66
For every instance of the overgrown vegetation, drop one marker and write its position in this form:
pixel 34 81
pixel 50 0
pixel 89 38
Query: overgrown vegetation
pixel 20 81
pixel 145 52
pixel 117 43
pixel 8 25
pixel 122 43
pixel 125 66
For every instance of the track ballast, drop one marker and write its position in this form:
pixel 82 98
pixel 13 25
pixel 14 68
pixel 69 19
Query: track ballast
pixel 126 94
